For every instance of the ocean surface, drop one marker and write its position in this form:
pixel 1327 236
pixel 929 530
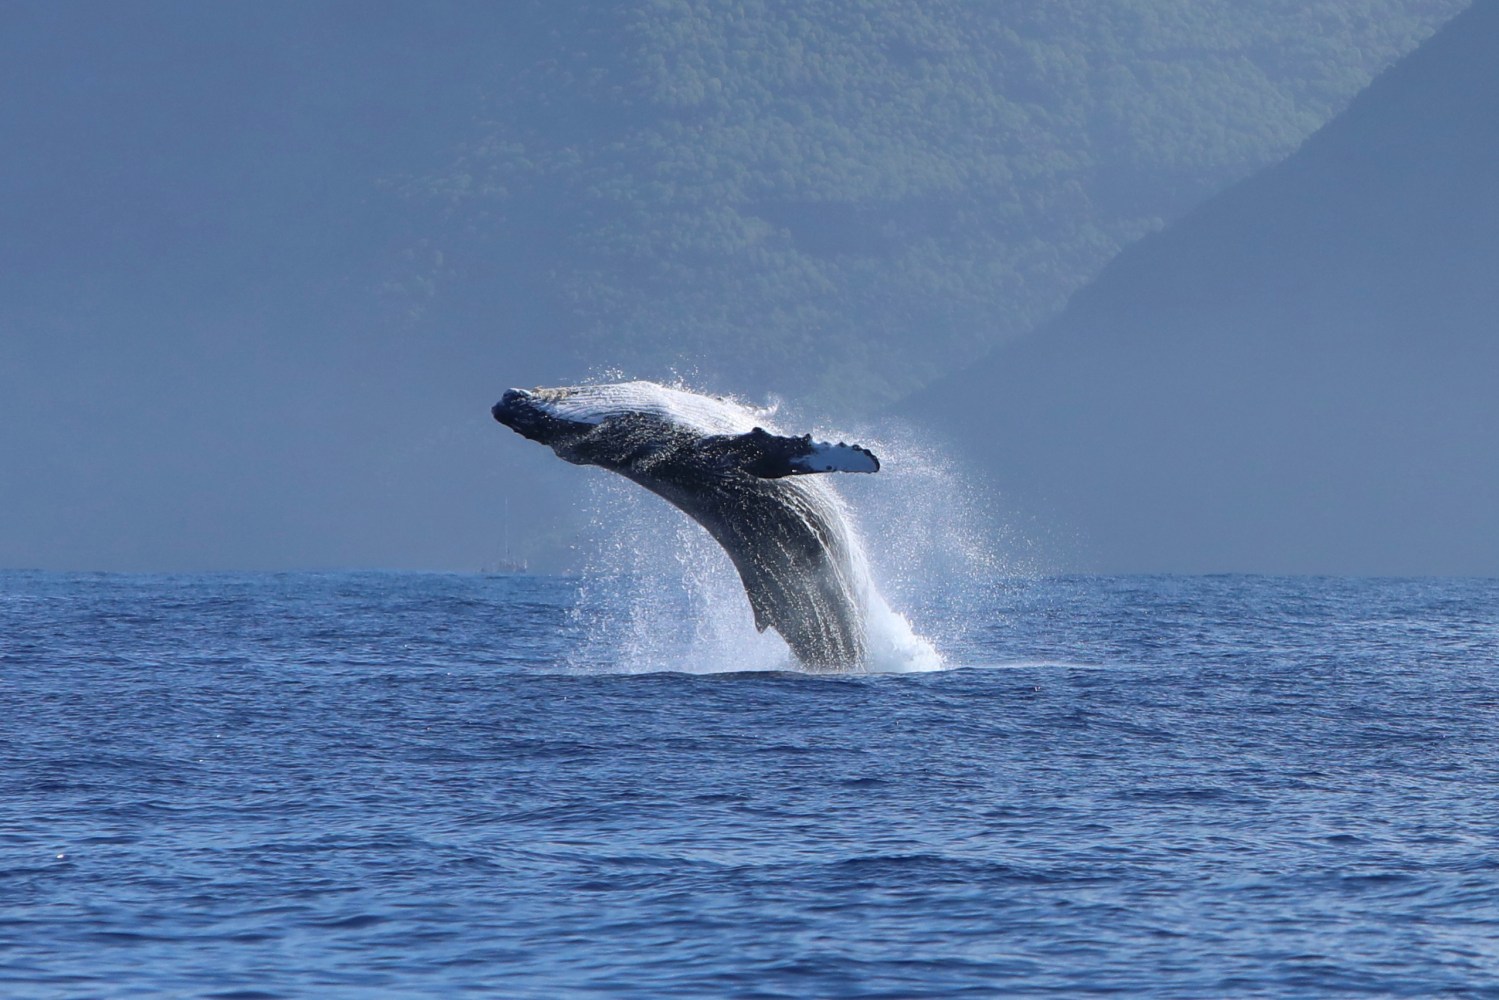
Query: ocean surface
pixel 366 785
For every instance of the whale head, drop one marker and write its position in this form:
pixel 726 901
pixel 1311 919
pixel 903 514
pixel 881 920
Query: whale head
pixel 573 421
pixel 531 414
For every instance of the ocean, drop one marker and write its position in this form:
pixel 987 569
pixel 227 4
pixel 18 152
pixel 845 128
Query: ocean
pixel 387 784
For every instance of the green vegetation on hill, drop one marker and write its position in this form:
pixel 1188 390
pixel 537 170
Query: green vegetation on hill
pixel 850 199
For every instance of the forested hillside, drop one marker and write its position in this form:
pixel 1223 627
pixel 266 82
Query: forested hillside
pixel 850 199
pixel 1301 376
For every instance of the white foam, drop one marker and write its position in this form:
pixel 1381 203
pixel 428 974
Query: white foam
pixel 891 645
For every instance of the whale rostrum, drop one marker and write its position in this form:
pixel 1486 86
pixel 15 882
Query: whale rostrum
pixel 711 458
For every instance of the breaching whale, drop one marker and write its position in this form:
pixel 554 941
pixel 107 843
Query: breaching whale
pixel 709 457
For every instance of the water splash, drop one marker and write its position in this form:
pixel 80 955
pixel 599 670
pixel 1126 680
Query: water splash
pixel 944 550
pixel 658 594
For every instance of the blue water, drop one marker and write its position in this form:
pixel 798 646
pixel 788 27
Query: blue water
pixel 410 785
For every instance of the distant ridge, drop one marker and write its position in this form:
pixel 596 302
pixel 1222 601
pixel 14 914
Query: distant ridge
pixel 1300 376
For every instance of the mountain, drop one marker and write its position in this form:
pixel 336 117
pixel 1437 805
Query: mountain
pixel 1300 376
pixel 732 190
pixel 269 264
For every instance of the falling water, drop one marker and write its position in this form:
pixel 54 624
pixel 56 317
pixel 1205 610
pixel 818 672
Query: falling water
pixel 658 593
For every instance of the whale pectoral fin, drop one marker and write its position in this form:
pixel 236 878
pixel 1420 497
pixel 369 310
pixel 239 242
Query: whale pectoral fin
pixel 773 456
pixel 825 456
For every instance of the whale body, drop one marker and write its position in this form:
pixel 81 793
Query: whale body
pixel 714 460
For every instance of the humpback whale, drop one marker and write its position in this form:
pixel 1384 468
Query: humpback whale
pixel 715 461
